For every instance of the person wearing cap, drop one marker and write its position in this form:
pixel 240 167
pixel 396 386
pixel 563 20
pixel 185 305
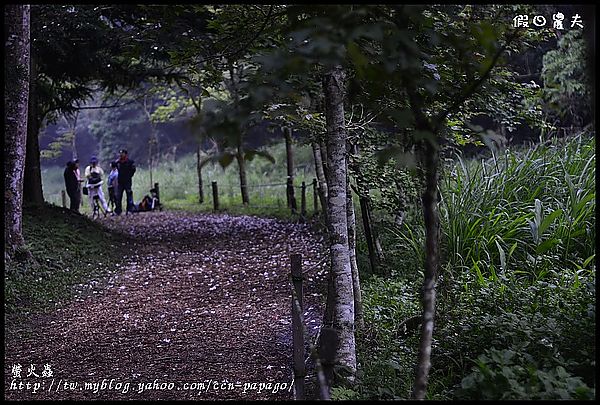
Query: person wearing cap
pixel 94 173
pixel 113 185
pixel 72 186
pixel 126 168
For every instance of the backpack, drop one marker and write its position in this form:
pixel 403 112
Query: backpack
pixel 145 204
pixel 94 178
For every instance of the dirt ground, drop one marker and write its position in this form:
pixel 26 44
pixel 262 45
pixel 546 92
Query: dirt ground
pixel 200 311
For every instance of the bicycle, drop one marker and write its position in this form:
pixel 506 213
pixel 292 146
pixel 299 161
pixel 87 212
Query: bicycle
pixel 97 208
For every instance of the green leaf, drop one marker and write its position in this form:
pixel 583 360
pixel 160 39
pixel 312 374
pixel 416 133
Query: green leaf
pixel 358 58
pixel 546 245
pixel 549 220
pixel 226 159
pixel 404 159
pixel 502 256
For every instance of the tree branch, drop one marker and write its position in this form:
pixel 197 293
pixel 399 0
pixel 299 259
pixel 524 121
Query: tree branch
pixel 474 85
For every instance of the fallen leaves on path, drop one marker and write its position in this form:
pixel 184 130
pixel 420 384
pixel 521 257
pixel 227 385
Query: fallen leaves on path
pixel 204 299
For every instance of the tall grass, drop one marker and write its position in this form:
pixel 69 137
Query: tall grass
pixel 521 213
pixel 518 279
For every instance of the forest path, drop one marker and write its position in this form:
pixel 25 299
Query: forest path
pixel 206 298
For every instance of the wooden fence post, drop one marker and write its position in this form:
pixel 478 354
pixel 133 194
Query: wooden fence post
pixel 297 327
pixel 215 192
pixel 315 196
pixel 303 200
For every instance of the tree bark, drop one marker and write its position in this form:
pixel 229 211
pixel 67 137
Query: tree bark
pixel 243 181
pixel 431 217
pixel 351 218
pixel 320 177
pixel 199 170
pixel 32 180
pixel 16 97
pixel 291 202
pixel 323 151
pixel 343 311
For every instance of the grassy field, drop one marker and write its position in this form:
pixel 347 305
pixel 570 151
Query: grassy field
pixel 178 181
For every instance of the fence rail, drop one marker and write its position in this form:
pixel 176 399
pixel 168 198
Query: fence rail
pixel 221 192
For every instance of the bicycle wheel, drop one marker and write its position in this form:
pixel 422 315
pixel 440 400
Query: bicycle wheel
pixel 96 213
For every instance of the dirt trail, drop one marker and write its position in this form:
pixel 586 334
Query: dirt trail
pixel 205 299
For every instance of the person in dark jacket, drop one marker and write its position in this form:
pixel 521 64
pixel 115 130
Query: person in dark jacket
pixel 126 168
pixel 72 186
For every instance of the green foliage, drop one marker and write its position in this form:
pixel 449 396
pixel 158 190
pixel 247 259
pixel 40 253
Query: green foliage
pixel 386 352
pixel 56 146
pixel 516 292
pixel 502 374
pixel 343 394
pixel 566 83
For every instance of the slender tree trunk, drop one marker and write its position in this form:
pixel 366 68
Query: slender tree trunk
pixel 291 198
pixel 352 150
pixel 351 218
pixel 431 216
pixel 320 177
pixel 323 150
pixel 243 181
pixel 16 96
pixel 199 169
pixel 150 157
pixel 343 312
pixel 32 181
pixel 73 128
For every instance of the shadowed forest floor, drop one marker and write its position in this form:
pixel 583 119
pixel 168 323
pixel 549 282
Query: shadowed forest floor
pixel 204 299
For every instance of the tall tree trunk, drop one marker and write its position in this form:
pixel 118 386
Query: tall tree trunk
pixel 199 170
pixel 73 128
pixel 32 180
pixel 366 217
pixel 291 198
pixel 289 152
pixel 323 150
pixel 432 228
pixel 320 177
pixel 243 181
pixel 16 96
pixel 351 218
pixel 343 312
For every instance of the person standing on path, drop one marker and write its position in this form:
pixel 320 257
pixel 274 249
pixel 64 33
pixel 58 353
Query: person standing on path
pixel 126 168
pixel 72 186
pixel 94 173
pixel 113 185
